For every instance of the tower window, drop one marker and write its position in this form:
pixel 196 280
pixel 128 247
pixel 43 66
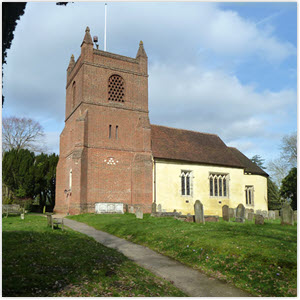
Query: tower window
pixel 116 88
pixel 73 94
pixel 109 132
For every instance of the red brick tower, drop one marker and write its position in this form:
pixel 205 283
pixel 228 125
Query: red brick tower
pixel 105 146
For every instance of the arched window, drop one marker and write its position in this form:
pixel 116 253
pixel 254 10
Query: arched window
pixel 218 185
pixel 116 88
pixel 73 94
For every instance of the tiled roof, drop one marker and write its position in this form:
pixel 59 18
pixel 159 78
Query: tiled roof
pixel 250 167
pixel 192 146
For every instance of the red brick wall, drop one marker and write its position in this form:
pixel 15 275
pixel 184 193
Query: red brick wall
pixel 105 169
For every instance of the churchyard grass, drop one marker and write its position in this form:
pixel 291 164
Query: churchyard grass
pixel 39 261
pixel 260 259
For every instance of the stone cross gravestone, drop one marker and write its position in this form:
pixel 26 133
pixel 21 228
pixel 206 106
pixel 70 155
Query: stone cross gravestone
pixel 287 215
pixel 231 213
pixel 240 213
pixel 199 213
pixel 225 213
pixel 139 213
pixel 159 208
pixel 131 209
pixel 259 220
pixel 271 215
pixel 153 208
pixel 250 216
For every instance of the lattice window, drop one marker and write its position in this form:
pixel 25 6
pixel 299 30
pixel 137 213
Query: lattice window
pixel 249 193
pixel 186 183
pixel 218 185
pixel 116 88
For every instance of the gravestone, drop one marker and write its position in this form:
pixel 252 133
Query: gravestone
pixel 247 211
pixel 159 208
pixel 225 213
pixel 259 220
pixel 240 214
pixel 189 218
pixel 199 213
pixel 264 214
pixel 271 215
pixel 287 215
pixel 250 216
pixel 139 213
pixel 277 214
pixel 153 208
pixel 232 213
pixel 126 208
pixel 295 216
pixel 131 209
pixel 211 218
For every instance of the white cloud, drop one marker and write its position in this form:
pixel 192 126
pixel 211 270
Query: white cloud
pixel 215 102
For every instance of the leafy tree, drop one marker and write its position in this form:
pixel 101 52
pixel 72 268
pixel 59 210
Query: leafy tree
pixel 288 188
pixel 289 149
pixel 21 133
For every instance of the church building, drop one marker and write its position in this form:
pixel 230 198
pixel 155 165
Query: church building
pixel 111 156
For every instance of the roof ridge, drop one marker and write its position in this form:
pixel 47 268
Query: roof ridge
pixel 186 130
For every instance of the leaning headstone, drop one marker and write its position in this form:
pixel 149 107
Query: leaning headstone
pixel 159 207
pixel 287 215
pixel 271 215
pixel 259 220
pixel 153 208
pixel 131 209
pixel 199 213
pixel 250 216
pixel 277 214
pixel 139 213
pixel 231 213
pixel 225 213
pixel 240 214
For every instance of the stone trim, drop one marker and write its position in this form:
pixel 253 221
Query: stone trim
pixel 115 56
pixel 112 105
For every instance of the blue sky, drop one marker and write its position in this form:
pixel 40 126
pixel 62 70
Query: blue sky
pixel 224 68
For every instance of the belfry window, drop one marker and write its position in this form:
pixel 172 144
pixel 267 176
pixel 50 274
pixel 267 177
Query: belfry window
pixel 73 94
pixel 218 185
pixel 186 183
pixel 249 194
pixel 116 88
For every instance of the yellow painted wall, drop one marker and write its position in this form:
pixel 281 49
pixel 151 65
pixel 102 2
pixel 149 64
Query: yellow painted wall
pixel 167 188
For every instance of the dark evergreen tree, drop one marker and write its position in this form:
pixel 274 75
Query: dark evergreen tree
pixel 18 172
pixel 257 159
pixel 288 188
pixel 274 202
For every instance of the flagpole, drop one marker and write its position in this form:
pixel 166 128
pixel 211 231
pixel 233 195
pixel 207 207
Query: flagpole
pixel 105 27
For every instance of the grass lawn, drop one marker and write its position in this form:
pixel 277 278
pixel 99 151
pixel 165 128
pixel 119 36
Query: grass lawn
pixel 39 261
pixel 261 259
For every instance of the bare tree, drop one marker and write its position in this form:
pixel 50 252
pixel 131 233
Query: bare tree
pixel 22 133
pixel 280 167
pixel 289 149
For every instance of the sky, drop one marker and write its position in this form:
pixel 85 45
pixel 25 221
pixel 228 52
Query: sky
pixel 223 68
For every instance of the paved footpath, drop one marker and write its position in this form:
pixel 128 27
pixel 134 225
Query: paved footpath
pixel 190 281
